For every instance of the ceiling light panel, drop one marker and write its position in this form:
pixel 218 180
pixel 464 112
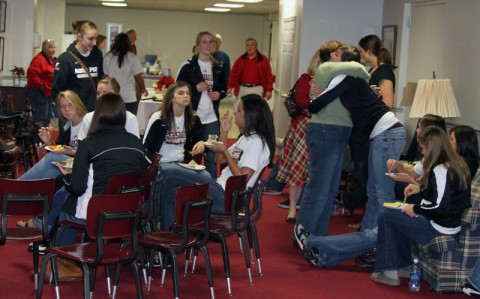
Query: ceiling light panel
pixel 115 4
pixel 228 5
pixel 217 9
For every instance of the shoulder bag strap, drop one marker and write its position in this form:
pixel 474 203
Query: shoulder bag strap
pixel 84 68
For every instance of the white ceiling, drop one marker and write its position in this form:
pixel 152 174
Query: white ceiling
pixel 264 7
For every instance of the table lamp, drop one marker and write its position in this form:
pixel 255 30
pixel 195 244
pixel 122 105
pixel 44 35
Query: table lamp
pixel 434 96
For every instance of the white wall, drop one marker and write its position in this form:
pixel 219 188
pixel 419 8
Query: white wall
pixel 18 36
pixel 454 60
pixel 343 20
pixel 171 35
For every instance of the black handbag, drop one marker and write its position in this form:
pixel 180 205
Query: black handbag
pixel 291 104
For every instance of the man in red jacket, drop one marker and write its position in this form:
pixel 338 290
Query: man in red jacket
pixel 39 82
pixel 251 73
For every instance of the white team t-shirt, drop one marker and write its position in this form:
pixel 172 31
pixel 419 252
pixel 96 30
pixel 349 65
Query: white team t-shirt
pixel 248 152
pixel 172 149
pixel 74 135
pixel 131 125
pixel 205 107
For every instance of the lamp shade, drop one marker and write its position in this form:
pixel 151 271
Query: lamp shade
pixel 434 97
pixel 408 94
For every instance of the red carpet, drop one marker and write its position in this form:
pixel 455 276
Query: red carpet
pixel 286 273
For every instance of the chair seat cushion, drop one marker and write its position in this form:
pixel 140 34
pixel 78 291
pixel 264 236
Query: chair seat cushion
pixel 24 233
pixel 87 252
pixel 441 244
pixel 165 239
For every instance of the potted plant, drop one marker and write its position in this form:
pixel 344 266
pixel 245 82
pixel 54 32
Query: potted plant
pixel 17 73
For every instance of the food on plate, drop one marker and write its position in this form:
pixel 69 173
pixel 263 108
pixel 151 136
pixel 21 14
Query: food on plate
pixel 192 164
pixel 394 205
pixel 67 163
pixel 212 137
pixel 54 147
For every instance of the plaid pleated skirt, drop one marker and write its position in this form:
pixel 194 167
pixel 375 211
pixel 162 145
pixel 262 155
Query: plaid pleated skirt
pixel 293 168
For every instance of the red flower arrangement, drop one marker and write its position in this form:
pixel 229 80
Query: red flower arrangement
pixel 164 81
pixel 17 71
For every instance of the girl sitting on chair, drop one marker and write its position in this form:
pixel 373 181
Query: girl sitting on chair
pixel 253 150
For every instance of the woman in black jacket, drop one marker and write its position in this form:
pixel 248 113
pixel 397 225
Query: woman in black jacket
pixel 108 149
pixel 208 80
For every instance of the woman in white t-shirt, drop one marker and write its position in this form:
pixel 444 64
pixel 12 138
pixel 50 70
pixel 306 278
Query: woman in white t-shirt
pixel 249 155
pixel 71 110
pixel 121 64
pixel 174 127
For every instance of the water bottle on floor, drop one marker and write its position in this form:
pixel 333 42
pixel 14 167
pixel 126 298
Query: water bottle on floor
pixel 414 284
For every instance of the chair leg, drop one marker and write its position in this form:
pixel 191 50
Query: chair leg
pixel 35 264
pixel 188 254
pixel 176 286
pixel 86 281
pixel 247 258
pixel 253 234
pixel 41 278
pixel 151 254
pixel 109 280
pixel 141 254
pixel 138 285
pixel 226 264
pixel 118 268
pixel 208 268
pixel 194 264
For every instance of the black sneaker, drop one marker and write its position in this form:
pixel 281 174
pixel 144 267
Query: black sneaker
pixel 469 289
pixel 286 204
pixel 311 255
pixel 366 260
pixel 300 235
pixel 41 248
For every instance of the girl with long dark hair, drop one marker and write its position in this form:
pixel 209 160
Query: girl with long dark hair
pixel 249 155
pixel 121 64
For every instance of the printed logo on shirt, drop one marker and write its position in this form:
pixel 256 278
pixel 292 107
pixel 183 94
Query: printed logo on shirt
pixel 237 153
pixel 208 78
pixel 176 137
pixel 74 141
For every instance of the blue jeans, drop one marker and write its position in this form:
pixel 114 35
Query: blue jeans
pixel 69 234
pixel 395 231
pixel 175 176
pixel 271 182
pixel 44 169
pixel 42 107
pixel 474 277
pixel 326 144
pixel 55 209
pixel 210 164
pixel 380 188
pixel 336 249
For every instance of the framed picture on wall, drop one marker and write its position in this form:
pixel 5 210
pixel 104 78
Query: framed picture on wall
pixel 113 29
pixel 3 15
pixel 2 45
pixel 389 39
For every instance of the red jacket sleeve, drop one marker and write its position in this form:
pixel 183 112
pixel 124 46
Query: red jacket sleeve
pixel 302 91
pixel 34 72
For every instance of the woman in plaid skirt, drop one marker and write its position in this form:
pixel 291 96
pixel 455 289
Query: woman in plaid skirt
pixel 294 161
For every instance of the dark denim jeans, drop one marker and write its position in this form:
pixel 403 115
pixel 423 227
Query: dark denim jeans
pixel 210 164
pixel 326 144
pixel 42 107
pixel 271 181
pixel 474 277
pixel 395 231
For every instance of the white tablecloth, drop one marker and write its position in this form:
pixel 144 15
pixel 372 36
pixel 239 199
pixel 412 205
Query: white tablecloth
pixel 145 110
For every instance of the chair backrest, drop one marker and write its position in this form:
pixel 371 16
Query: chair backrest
pixel 256 206
pixel 113 216
pixel 191 193
pixel 25 198
pixel 234 183
pixel 150 175
pixel 126 183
